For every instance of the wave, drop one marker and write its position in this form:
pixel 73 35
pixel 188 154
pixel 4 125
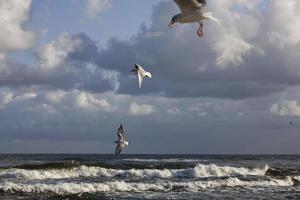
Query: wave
pixel 53 165
pixel 167 160
pixel 65 188
pixel 297 178
pixel 84 171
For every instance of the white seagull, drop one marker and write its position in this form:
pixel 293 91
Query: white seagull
pixel 192 11
pixel 121 142
pixel 141 73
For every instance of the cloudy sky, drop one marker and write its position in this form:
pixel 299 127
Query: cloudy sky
pixel 65 84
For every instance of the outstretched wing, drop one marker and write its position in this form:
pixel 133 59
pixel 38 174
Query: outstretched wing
pixel 119 148
pixel 141 73
pixel 140 77
pixel 188 5
pixel 121 133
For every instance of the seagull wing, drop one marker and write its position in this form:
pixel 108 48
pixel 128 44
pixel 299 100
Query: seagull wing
pixel 121 133
pixel 141 74
pixel 148 74
pixel 140 77
pixel 188 5
pixel 119 148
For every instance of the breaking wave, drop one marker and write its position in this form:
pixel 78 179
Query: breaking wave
pixel 63 188
pixel 168 160
pixel 84 171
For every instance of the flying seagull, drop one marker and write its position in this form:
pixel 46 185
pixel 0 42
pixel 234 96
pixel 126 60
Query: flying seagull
pixel 141 73
pixel 121 142
pixel 192 11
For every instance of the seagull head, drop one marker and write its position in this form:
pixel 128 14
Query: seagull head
pixel 135 69
pixel 174 19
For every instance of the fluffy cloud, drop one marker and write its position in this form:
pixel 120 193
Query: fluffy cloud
pixel 73 89
pixel 286 108
pixel 90 102
pixel 284 29
pixel 55 53
pixel 5 98
pixel 13 15
pixel 56 66
pixel 232 61
pixel 143 109
pixel 93 7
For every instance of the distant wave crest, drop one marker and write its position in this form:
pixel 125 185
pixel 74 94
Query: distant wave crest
pixel 63 188
pixel 198 171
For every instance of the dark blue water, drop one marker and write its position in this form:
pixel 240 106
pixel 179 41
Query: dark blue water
pixel 149 177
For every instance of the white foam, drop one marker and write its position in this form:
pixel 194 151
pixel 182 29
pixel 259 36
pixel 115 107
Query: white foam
pixel 297 178
pixel 168 160
pixel 62 188
pixel 84 171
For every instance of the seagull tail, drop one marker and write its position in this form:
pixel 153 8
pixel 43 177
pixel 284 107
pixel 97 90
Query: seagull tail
pixel 209 15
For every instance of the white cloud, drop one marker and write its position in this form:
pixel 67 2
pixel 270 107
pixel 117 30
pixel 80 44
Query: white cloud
pixel 93 7
pixel 143 109
pixel 55 96
pixel 174 111
pixel 5 98
pixel 282 20
pixel 13 14
pixel 53 54
pixel 90 102
pixel 286 108
pixel 203 114
pixel 231 49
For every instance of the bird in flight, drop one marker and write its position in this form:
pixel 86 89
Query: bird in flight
pixel 121 142
pixel 192 11
pixel 141 73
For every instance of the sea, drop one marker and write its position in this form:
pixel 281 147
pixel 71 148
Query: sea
pixel 149 177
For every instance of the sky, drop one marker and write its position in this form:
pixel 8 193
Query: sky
pixel 65 82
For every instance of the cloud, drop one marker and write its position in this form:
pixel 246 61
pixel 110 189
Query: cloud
pixel 233 61
pixel 174 111
pixel 56 66
pixel 143 109
pixel 231 50
pixel 281 33
pixel 55 53
pixel 90 102
pixel 13 15
pixel 5 98
pixel 286 108
pixel 94 7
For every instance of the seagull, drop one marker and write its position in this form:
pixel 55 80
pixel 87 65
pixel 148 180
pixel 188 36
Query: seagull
pixel 121 142
pixel 192 11
pixel 141 73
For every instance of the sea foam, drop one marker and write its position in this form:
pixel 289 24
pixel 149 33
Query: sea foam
pixel 63 188
pixel 84 171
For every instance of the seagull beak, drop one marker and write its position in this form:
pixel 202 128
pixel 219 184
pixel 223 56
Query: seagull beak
pixel 171 25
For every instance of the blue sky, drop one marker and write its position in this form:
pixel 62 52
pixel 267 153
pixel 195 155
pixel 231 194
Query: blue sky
pixel 122 21
pixel 65 82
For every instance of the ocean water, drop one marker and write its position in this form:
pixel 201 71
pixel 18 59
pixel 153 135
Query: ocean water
pixel 149 177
